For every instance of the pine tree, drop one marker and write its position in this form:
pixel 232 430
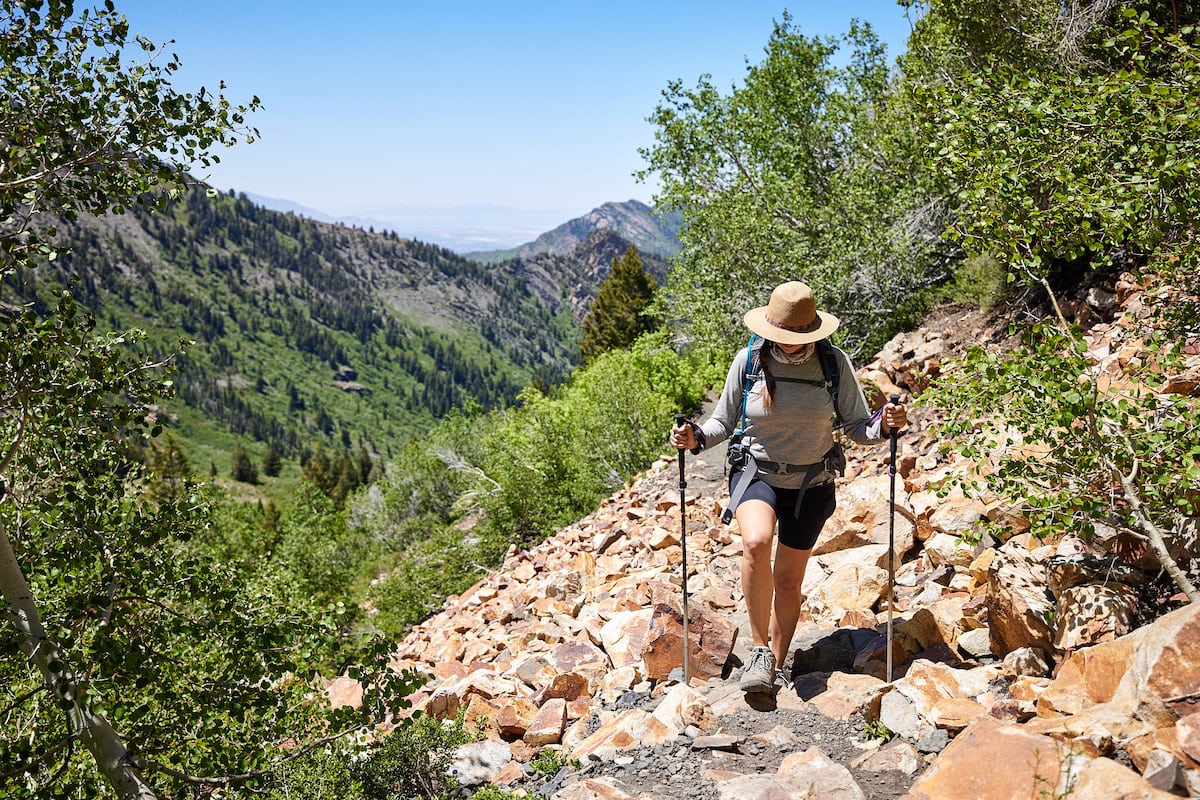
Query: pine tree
pixel 243 468
pixel 271 462
pixel 318 470
pixel 618 314
pixel 170 468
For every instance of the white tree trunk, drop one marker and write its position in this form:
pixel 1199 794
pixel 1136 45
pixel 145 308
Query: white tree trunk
pixel 1157 540
pixel 114 761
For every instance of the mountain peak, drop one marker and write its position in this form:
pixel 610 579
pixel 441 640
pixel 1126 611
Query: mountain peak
pixel 647 229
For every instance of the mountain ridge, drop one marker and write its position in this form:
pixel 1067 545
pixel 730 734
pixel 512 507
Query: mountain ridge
pixel 649 230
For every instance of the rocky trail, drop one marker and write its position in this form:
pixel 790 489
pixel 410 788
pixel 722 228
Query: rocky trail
pixel 1020 667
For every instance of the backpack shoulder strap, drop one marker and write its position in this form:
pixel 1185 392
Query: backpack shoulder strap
pixel 753 368
pixel 831 368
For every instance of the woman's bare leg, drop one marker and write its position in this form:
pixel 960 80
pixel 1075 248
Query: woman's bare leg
pixel 756 521
pixel 788 578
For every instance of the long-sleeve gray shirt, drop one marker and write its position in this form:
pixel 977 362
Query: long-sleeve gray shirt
pixel 798 429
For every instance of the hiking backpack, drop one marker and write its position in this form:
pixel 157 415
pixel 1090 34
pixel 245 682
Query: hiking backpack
pixel 831 370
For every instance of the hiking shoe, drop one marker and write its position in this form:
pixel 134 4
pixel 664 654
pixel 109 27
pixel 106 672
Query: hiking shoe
pixel 759 674
pixel 782 680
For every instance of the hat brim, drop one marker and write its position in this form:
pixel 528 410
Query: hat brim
pixel 756 320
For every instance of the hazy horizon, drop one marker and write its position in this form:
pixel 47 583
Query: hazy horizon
pixel 374 109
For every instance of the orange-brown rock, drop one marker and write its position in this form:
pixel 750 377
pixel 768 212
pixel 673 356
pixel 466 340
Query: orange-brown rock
pixel 481 715
pixel 710 641
pixel 1093 613
pixel 1088 677
pixel 1187 736
pixel 344 691
pixel 514 717
pixel 547 726
pixel 967 768
pixel 629 729
pixel 567 686
pixel 593 789
pixel 683 706
pixel 1019 602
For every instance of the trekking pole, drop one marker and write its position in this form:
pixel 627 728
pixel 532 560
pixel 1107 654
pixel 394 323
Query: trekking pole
pixel 894 400
pixel 680 419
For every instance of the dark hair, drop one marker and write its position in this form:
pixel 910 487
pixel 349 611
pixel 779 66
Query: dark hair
pixel 768 392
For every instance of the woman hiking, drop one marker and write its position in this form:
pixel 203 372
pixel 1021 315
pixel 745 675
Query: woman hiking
pixel 779 404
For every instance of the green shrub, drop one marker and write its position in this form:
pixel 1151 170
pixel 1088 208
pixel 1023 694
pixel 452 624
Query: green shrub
pixel 552 459
pixel 412 584
pixel 549 761
pixel 320 775
pixel 978 281
pixel 413 760
pixel 491 792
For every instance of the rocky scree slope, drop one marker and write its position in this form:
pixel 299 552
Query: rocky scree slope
pixel 1018 666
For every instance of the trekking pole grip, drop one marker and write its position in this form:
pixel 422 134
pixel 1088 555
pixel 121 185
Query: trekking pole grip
pixel 681 419
pixel 894 432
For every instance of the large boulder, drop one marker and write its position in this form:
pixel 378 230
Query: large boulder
pixel 994 760
pixel 1020 605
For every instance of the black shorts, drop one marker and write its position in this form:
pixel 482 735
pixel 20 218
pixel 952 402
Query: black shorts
pixel 797 531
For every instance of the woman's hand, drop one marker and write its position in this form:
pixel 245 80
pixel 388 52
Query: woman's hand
pixel 895 417
pixel 683 437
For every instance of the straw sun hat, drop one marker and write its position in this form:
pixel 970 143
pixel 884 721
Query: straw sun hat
pixel 791 317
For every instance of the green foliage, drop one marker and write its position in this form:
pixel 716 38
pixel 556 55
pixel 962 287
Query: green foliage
pixel 85 128
pixel 192 663
pixel 306 547
pixel 808 171
pixel 1088 160
pixel 550 760
pixel 555 456
pixel 980 281
pixel 492 792
pixel 511 477
pixel 324 774
pixel 876 730
pixel 413 761
pixel 411 584
pixel 618 315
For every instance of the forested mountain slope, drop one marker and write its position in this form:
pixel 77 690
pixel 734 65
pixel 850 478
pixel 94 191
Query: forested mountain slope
pixel 304 332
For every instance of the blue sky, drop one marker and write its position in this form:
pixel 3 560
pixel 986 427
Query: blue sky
pixel 412 111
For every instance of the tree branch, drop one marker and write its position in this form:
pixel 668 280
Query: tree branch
pixel 112 758
pixel 243 777
pixel 1154 535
